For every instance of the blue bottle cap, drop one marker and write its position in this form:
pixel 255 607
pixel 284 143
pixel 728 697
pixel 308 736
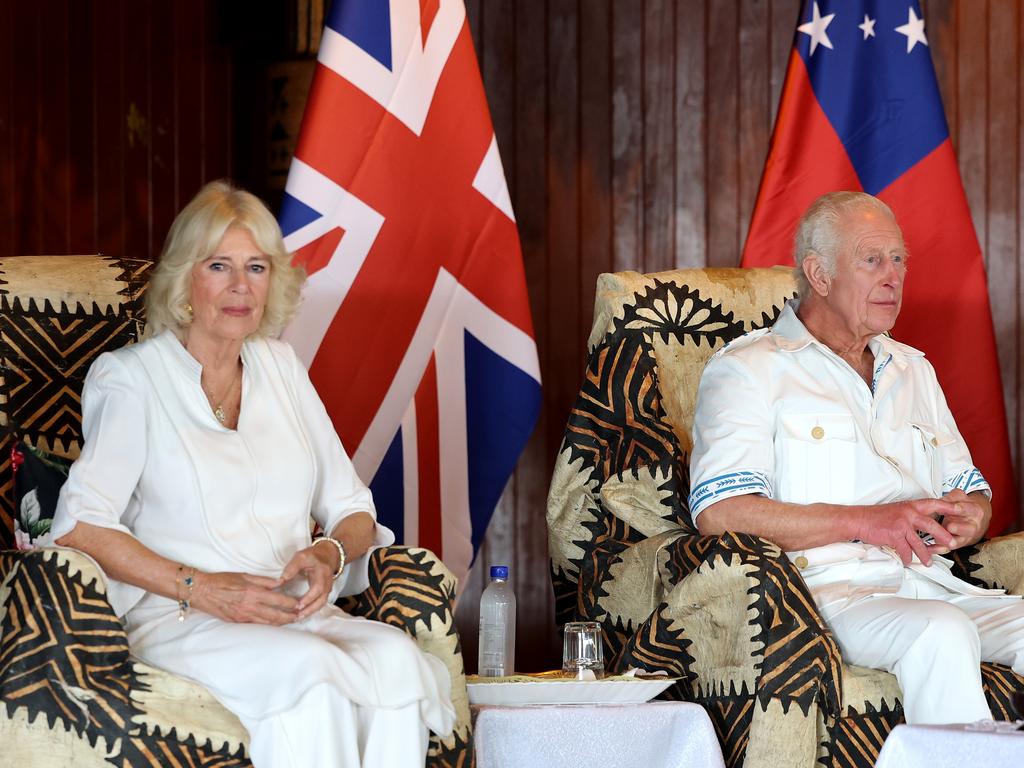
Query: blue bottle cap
pixel 499 571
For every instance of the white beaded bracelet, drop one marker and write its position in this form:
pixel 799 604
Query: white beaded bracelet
pixel 341 552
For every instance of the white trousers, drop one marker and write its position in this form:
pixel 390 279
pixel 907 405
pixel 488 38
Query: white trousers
pixel 357 736
pixel 933 640
pixel 330 691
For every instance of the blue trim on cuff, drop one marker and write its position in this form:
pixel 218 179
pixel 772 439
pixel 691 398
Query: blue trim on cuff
pixel 727 485
pixel 968 481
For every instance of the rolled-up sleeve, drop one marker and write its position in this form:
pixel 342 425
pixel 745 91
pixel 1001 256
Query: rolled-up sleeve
pixel 955 464
pixel 733 446
pixel 102 480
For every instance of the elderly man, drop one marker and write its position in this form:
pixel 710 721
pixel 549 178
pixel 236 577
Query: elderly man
pixel 831 439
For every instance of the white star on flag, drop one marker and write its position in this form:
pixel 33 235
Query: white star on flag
pixel 815 29
pixel 913 29
pixel 868 27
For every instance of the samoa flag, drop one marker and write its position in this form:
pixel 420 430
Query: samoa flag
pixel 861 110
pixel 415 321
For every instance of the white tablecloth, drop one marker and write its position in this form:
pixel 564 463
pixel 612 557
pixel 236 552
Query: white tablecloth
pixel 659 734
pixel 936 746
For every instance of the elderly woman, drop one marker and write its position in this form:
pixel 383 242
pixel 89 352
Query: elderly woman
pixel 206 451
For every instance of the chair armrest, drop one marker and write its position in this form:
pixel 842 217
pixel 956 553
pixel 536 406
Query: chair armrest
pixel 411 588
pixel 994 563
pixel 63 652
pixel 736 615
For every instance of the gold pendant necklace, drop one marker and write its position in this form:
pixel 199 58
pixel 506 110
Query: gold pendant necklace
pixel 219 412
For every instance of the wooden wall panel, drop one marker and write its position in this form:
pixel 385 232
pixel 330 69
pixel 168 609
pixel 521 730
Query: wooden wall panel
pixel 1001 244
pixel 82 136
pixel 1016 386
pixel 8 177
pixel 723 109
pixel 691 135
pixel 753 123
pixel 633 135
pixel 626 86
pixel 112 114
pixel 971 104
pixel 164 59
pixel 658 125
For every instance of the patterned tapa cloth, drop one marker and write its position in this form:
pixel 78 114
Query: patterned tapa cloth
pixel 730 615
pixel 70 692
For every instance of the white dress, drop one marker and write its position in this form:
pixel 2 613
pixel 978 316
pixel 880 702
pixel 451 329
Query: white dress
pixel 157 465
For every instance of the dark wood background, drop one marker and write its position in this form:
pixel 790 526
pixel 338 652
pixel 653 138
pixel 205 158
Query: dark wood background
pixel 633 134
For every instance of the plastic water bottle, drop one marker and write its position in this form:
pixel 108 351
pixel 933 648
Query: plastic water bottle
pixel 497 656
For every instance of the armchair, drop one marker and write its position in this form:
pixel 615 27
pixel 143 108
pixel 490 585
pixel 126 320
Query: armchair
pixel 729 615
pixel 71 692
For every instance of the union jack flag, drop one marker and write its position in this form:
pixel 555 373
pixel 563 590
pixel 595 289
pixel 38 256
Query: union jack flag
pixel 415 321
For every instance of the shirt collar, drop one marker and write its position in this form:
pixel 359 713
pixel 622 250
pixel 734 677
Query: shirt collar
pixel 191 367
pixel 791 335
pixel 170 342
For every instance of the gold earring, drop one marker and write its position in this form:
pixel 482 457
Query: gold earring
pixel 188 309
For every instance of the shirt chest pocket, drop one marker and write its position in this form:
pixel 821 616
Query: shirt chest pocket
pixel 816 457
pixel 925 442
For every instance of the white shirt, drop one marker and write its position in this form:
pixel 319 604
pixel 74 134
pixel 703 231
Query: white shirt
pixel 781 415
pixel 156 464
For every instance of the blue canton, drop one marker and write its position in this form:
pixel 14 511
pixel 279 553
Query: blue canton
pixel 890 125
pixel 367 23
pixel 295 214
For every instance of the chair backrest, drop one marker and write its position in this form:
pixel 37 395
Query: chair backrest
pixel 57 314
pixel 686 315
pixel 622 472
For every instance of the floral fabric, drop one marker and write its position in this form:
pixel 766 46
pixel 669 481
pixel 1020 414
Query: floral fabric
pixel 38 477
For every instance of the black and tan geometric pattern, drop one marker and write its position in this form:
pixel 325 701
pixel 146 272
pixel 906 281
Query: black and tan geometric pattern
pixel 729 615
pixel 70 692
pixel 66 671
pixel 57 314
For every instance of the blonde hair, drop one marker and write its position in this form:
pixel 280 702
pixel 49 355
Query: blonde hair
pixel 195 234
pixel 818 232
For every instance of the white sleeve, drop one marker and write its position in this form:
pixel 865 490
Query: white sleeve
pixel 339 491
pixel 733 441
pixel 956 466
pixel 103 478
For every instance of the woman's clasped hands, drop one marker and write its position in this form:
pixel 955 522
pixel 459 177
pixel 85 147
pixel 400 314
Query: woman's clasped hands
pixel 245 598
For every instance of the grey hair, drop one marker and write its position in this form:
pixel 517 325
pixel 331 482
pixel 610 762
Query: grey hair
pixel 818 233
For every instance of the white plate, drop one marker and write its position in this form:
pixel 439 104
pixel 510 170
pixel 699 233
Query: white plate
pixel 567 692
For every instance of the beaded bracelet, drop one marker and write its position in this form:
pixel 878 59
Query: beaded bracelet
pixel 341 552
pixel 184 603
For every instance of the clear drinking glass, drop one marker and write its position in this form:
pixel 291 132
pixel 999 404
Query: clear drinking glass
pixel 582 650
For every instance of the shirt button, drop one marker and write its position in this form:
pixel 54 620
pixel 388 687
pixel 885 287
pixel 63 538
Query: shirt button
pixel 801 562
pixel 817 433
